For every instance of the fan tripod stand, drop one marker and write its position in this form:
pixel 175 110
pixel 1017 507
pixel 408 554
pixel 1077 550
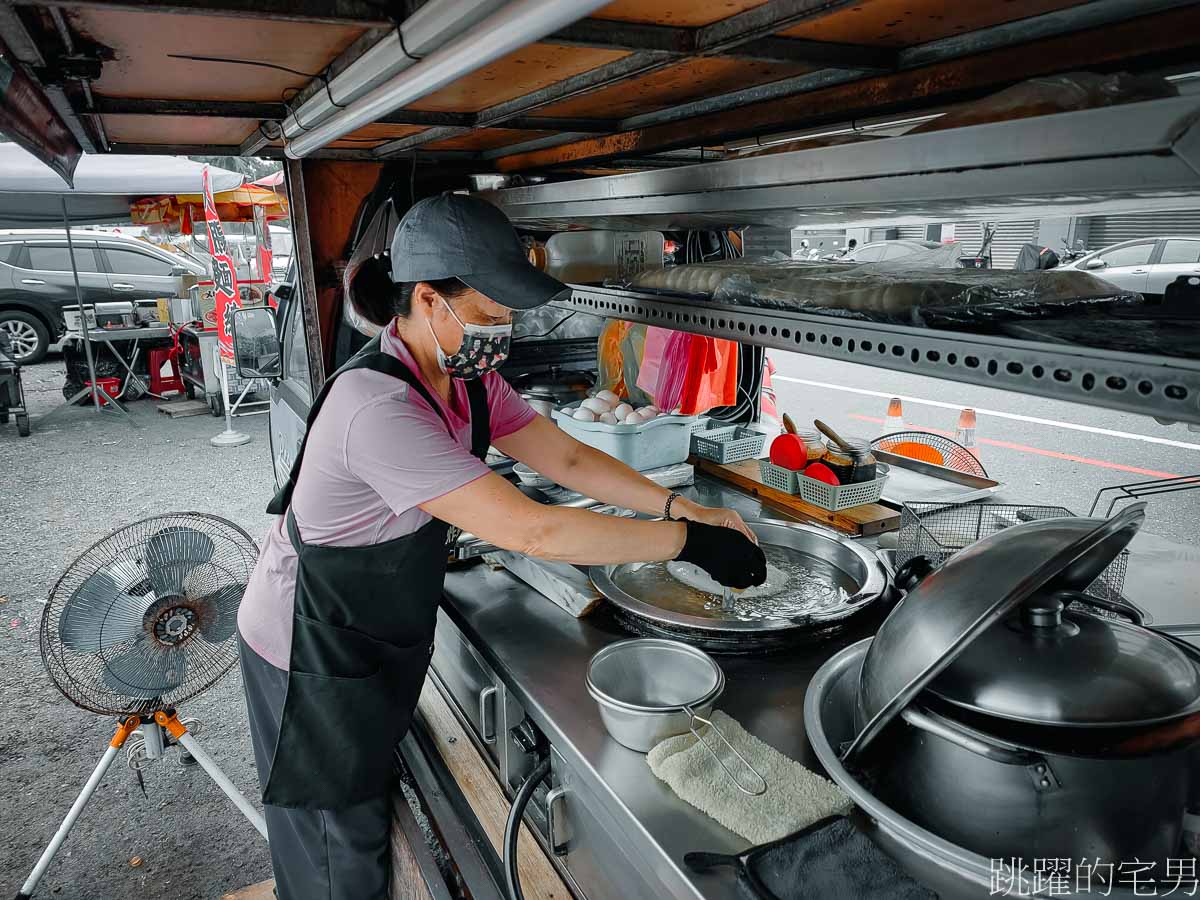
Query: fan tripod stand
pixel 152 729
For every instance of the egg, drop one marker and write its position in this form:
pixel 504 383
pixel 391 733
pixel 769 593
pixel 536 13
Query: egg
pixel 584 415
pixel 645 414
pixel 608 418
pixel 608 397
pixel 651 408
pixel 622 411
pixel 633 419
pixel 595 404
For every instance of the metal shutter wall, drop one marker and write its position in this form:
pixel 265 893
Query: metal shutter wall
pixel 912 232
pixel 1107 230
pixel 1010 237
pixel 762 241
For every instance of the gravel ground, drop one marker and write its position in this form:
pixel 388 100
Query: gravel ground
pixel 61 489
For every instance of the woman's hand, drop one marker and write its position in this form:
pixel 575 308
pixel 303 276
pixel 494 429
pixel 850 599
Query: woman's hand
pixel 728 557
pixel 722 518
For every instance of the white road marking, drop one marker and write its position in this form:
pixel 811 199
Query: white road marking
pixel 1054 423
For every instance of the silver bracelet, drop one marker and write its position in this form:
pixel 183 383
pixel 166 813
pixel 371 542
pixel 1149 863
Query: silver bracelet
pixel 671 498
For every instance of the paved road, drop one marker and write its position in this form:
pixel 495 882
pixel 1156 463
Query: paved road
pixel 1048 451
pixel 64 487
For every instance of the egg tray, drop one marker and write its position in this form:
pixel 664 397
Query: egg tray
pixel 728 445
pixel 657 442
pixel 832 497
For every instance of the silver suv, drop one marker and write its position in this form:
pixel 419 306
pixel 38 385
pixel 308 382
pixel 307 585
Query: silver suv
pixel 1145 265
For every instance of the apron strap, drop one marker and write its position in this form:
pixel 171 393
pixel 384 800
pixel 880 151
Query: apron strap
pixel 481 424
pixel 373 358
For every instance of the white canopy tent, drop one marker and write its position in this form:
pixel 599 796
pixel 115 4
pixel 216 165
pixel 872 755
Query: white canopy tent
pixel 105 186
pixel 33 195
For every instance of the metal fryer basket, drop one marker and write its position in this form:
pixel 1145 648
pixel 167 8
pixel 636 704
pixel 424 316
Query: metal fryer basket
pixel 939 530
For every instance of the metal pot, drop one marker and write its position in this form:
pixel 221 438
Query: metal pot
pixel 547 391
pixel 1011 800
pixel 1007 720
pixel 953 869
pixel 1074 753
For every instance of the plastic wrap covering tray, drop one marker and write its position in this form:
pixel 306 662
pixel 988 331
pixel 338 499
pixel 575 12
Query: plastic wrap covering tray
pixel 973 299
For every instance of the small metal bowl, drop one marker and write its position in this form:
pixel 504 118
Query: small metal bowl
pixel 645 686
pixel 530 477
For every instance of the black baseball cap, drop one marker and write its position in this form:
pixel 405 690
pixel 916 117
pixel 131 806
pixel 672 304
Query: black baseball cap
pixel 463 237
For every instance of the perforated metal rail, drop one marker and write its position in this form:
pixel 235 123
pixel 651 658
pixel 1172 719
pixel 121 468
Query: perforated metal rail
pixel 1158 386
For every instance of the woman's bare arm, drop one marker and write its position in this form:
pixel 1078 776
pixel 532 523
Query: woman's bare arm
pixel 548 449
pixel 494 510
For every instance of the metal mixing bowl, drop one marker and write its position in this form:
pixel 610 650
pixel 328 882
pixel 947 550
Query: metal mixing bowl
pixel 642 687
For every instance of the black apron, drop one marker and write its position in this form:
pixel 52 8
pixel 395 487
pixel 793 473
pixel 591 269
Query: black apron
pixel 362 636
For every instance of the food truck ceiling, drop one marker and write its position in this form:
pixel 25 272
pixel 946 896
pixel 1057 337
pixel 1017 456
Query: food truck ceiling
pixel 632 80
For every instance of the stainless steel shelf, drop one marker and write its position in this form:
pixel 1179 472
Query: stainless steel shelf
pixel 1150 385
pixel 1139 156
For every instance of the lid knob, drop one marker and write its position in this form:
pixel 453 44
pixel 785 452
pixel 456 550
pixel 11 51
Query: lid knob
pixel 1043 611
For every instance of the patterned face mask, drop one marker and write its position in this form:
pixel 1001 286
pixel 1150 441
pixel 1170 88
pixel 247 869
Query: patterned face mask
pixel 483 348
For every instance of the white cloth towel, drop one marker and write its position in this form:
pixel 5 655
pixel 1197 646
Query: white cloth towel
pixel 795 796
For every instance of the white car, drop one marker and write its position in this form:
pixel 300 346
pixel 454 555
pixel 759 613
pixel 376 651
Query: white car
pixel 1146 265
pixel 919 253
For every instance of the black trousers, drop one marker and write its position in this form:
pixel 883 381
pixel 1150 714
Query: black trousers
pixel 317 854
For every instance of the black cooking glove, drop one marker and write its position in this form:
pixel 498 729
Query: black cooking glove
pixel 728 556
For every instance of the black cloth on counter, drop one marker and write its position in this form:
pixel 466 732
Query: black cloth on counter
pixel 829 860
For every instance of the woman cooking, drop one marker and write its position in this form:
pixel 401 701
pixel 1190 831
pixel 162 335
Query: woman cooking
pixel 337 623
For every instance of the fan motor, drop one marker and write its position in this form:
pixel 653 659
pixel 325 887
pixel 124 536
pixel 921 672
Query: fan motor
pixel 171 620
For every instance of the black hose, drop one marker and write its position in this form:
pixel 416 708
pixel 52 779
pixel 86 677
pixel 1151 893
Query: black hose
pixel 512 828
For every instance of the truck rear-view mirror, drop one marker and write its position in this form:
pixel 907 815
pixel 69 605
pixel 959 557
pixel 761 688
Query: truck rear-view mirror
pixel 256 348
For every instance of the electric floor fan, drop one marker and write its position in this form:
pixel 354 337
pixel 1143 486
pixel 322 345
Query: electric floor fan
pixel 143 620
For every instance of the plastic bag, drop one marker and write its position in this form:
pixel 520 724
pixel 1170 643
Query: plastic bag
pixel 609 359
pixel 895 292
pixel 668 392
pixel 654 364
pixel 633 346
pixel 1054 94
pixel 711 376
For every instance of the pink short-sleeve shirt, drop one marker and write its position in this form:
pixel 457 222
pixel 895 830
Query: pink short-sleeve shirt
pixel 376 452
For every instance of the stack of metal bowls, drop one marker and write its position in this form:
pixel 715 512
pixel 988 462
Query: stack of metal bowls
pixel 645 687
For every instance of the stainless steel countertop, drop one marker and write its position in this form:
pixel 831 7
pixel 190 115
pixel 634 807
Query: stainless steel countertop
pixel 542 653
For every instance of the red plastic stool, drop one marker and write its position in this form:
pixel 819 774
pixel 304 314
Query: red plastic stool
pixel 163 384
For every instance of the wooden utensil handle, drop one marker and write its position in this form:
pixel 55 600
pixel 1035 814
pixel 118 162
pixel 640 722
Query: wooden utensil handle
pixel 832 435
pixel 788 425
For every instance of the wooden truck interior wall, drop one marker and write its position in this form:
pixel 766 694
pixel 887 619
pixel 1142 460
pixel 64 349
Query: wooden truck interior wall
pixel 334 192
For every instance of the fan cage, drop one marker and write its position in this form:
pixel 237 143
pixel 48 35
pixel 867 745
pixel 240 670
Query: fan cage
pixel 137 559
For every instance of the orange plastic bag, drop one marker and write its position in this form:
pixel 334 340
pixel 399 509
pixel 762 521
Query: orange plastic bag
pixel 712 376
pixel 609 357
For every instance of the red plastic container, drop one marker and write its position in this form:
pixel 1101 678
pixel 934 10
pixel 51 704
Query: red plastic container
pixel 110 386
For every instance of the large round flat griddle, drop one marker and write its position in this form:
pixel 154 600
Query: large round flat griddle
pixel 827 579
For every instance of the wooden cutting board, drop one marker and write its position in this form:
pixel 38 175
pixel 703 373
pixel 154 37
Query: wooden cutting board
pixel 865 520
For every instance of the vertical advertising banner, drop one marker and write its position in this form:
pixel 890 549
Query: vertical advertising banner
pixel 224 278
